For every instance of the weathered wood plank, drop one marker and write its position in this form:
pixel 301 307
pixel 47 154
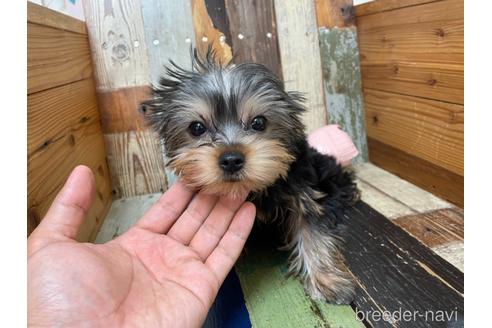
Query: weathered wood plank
pixel 411 196
pixel 342 85
pixel 429 129
pixel 429 80
pixel 254 34
pixel 267 290
pixel 434 228
pixel 43 16
pixel 453 252
pixel 396 273
pixel 386 5
pixel 169 31
pixel 441 182
pixel 55 57
pixel 433 32
pixel 206 34
pixel 137 162
pixel 335 13
pixel 390 207
pixel 119 48
pixel 299 53
pixel 123 214
pixel 117 40
pixel 64 131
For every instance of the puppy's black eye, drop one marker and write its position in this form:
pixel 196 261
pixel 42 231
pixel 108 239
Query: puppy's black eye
pixel 197 128
pixel 258 123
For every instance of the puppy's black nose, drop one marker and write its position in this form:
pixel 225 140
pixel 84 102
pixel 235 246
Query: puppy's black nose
pixel 231 161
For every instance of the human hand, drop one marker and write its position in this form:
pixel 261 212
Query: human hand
pixel 164 271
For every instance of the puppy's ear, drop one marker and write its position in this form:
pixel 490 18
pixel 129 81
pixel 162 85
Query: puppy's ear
pixel 158 110
pixel 297 100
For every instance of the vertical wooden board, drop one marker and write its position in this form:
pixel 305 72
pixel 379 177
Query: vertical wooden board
pixel 299 53
pixel 335 13
pixel 254 33
pixel 137 162
pixel 342 84
pixel 275 300
pixel 207 34
pixel 118 43
pixel 169 32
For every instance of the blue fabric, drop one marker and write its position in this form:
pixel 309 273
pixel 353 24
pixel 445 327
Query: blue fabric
pixel 229 310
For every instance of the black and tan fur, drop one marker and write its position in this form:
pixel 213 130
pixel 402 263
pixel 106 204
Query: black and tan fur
pixel 293 186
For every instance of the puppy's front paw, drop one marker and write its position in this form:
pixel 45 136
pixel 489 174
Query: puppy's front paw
pixel 337 288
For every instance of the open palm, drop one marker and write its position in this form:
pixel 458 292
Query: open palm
pixel 165 271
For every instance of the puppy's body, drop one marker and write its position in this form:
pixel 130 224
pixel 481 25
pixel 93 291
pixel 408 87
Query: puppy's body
pixel 235 130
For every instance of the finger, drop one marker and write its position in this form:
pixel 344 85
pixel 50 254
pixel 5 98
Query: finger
pixel 167 210
pixel 227 252
pixel 192 218
pixel 70 207
pixel 215 226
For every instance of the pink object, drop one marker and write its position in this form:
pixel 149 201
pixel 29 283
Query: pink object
pixel 330 140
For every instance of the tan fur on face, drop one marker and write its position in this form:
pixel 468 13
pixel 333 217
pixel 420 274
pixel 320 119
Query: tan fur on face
pixel 265 162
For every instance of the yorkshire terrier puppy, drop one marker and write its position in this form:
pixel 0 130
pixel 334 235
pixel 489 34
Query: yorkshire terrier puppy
pixel 233 130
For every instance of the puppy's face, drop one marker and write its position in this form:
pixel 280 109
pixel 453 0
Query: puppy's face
pixel 226 130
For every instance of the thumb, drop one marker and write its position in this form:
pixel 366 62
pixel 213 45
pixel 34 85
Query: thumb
pixel 70 207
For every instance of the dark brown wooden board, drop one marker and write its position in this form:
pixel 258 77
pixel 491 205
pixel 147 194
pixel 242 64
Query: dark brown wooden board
pixel 395 272
pixel 255 21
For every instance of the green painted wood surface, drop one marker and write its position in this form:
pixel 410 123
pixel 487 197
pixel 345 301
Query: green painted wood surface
pixel 275 300
pixel 342 84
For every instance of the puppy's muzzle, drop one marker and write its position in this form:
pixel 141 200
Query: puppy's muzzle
pixel 231 161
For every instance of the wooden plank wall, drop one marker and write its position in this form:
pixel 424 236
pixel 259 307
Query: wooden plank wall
pixel 132 39
pixel 411 55
pixel 63 121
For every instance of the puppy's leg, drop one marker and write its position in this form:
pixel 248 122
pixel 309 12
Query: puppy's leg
pixel 316 256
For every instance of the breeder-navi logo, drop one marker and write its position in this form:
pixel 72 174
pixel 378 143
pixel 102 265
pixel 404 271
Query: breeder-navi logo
pixel 407 316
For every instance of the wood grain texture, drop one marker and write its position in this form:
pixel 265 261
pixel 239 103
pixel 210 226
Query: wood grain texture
pixel 433 178
pixel 118 41
pixel 405 193
pixel 453 252
pixel 43 16
pixel 434 228
pixel 299 53
pixel 55 57
pixel 64 131
pixel 428 80
pixel 432 32
pixel 255 21
pixel 395 272
pixel 342 85
pixel 207 35
pixel 428 129
pixel 120 109
pixel 168 26
pixel 335 13
pixel 386 5
pixel 137 163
